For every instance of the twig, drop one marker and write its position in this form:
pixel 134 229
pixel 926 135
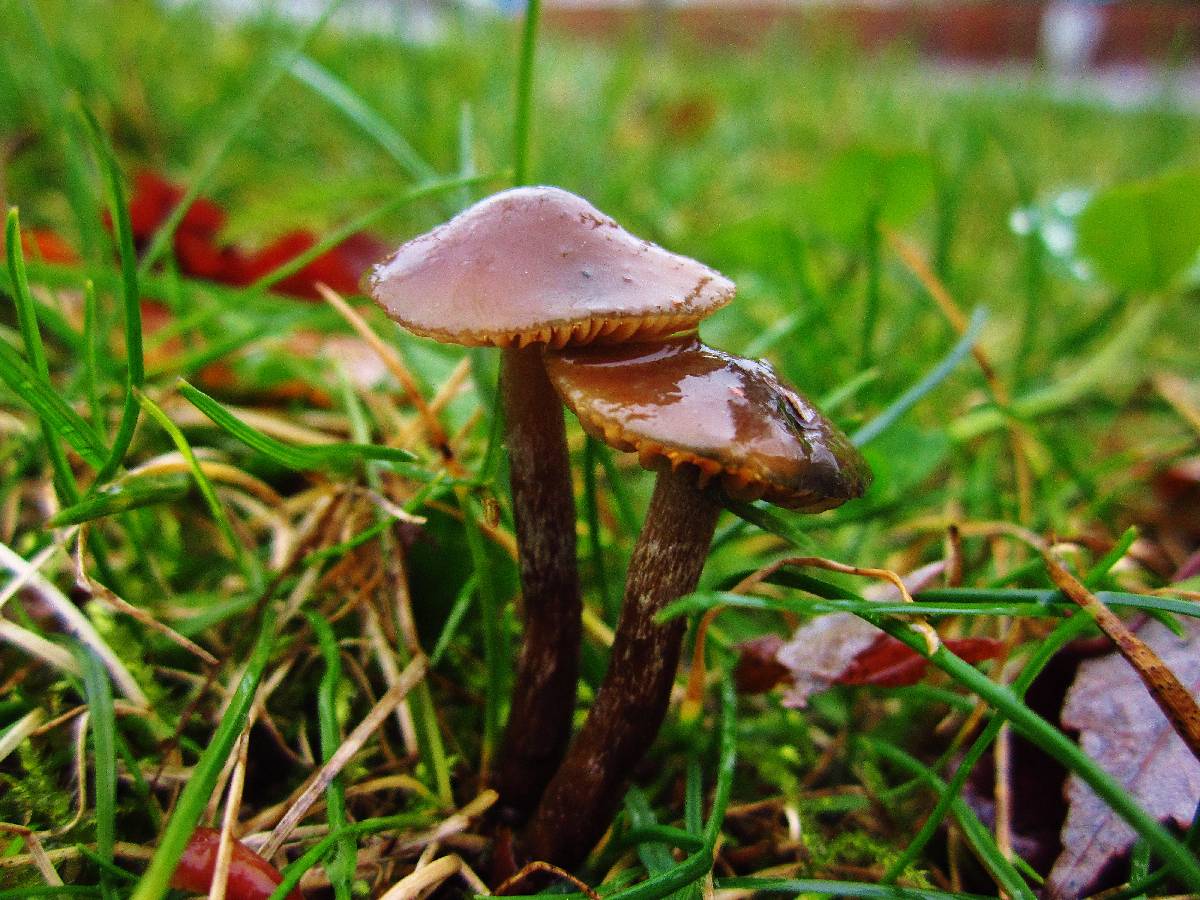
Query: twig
pixel 1176 702
pixel 319 780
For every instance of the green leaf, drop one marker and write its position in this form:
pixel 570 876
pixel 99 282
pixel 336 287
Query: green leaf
pixel 865 184
pixel 1141 235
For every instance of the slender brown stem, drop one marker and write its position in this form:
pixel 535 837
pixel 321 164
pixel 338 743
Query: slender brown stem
pixel 543 699
pixel 584 794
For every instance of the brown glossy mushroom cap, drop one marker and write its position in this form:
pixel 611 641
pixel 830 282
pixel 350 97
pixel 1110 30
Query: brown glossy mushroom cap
pixel 680 402
pixel 541 265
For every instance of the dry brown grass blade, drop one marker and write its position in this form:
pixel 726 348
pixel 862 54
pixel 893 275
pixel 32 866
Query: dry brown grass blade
pixel 395 365
pixel 453 824
pixel 75 622
pixel 319 780
pixel 1177 704
pixel 386 658
pixel 424 880
pixel 92 587
pixel 38 647
pixel 450 388
pixel 545 868
pixel 37 853
pixel 942 297
pixel 19 730
pixel 233 803
pixel 1176 392
pixel 219 472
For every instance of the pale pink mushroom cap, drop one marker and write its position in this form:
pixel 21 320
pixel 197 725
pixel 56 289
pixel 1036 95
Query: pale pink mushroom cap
pixel 541 265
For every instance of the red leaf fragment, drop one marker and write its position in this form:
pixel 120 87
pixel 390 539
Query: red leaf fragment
pixel 889 663
pixel 250 876
pixel 340 268
pixel 47 246
pixel 154 199
pixel 757 669
pixel 199 254
pixel 1123 730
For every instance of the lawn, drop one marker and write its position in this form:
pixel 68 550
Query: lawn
pixel 246 544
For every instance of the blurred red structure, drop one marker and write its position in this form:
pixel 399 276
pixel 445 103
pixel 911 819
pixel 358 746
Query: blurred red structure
pixel 990 31
pixel 199 252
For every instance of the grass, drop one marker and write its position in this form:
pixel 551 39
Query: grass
pixel 337 543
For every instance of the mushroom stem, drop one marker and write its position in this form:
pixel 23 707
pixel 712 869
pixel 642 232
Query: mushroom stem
pixel 584 794
pixel 543 698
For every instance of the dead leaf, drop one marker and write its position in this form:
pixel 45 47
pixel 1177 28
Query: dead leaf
pixel 757 670
pixel 889 663
pixel 1122 729
pixel 822 650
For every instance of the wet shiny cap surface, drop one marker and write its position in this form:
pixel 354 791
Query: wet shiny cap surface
pixel 541 265
pixel 678 402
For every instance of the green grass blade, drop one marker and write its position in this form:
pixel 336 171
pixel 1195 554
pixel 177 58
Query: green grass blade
pixel 50 407
pixel 91 338
pixel 122 496
pixel 64 480
pixel 1171 851
pixel 131 300
pixel 103 725
pixel 491 618
pixel 655 856
pixel 524 99
pixel 249 569
pixel 820 887
pixel 238 121
pixel 1055 641
pixel 198 789
pixel 58 99
pixel 936 376
pixel 974 830
pixel 462 603
pixel 327 85
pixel 341 864
pixel 340 456
pixel 22 299
pixel 338 235
pixel 591 515
pixel 770 519
pixel 1033 609
pixel 698 864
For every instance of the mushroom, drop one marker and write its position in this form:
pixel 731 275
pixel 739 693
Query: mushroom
pixel 524 269
pixel 708 423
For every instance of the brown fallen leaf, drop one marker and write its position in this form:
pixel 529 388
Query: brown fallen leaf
pixel 822 650
pixel 1122 729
